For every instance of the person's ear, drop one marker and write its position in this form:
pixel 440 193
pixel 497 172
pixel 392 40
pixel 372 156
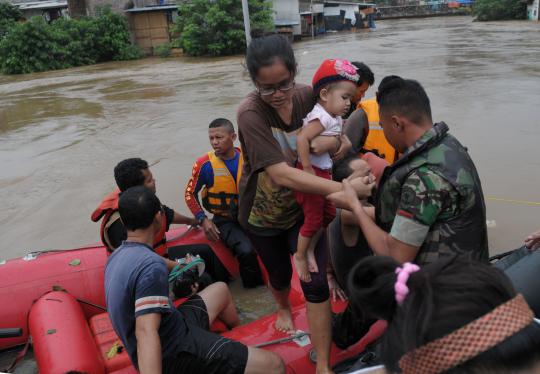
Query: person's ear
pixel 234 136
pixel 157 219
pixel 398 123
pixel 323 94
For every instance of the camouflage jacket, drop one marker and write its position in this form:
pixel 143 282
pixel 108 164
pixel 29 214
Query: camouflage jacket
pixel 461 227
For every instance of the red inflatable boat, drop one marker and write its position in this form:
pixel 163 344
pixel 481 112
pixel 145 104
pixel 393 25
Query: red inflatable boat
pixel 71 331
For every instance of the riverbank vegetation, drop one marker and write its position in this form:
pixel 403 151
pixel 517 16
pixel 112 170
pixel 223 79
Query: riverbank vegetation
pixel 216 28
pixel 36 45
pixel 492 10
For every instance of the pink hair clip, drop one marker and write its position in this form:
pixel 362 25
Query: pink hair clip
pixel 403 274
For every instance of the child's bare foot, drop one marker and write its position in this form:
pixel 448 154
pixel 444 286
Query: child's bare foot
pixel 301 264
pixel 284 322
pixel 311 261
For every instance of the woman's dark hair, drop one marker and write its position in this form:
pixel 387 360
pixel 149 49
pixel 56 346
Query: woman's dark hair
pixel 443 296
pixel 138 206
pixel 128 173
pixel 404 96
pixel 263 52
pixel 365 73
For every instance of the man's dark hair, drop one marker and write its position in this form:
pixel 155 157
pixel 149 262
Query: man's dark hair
pixel 138 206
pixel 222 122
pixel 406 97
pixel 263 52
pixel 443 296
pixel 341 169
pixel 128 173
pixel 365 73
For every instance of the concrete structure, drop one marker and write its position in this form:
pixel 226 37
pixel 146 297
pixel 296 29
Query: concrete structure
pixel 533 10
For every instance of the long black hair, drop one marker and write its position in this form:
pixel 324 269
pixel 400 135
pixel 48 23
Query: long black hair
pixel 263 52
pixel 443 297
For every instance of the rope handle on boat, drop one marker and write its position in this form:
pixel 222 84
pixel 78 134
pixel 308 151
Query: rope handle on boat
pixel 183 267
pixel 282 340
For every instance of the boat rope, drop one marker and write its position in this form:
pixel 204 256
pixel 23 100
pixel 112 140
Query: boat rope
pixel 514 201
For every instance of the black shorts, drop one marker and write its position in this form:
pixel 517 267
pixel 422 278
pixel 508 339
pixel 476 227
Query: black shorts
pixel 204 351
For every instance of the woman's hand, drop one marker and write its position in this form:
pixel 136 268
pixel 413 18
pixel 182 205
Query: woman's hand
pixel 533 241
pixel 344 147
pixel 335 290
pixel 348 197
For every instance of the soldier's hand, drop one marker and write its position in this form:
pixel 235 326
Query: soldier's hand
pixel 210 230
pixel 363 186
pixel 346 198
pixel 533 241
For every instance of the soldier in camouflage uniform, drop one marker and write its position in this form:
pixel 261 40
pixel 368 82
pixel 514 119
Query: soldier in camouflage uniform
pixel 429 203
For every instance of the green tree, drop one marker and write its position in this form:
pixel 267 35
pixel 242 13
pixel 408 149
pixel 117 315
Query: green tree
pixel 38 46
pixel 216 27
pixel 491 10
pixel 9 14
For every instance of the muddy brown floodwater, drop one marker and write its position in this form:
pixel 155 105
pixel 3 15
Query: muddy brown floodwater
pixel 62 132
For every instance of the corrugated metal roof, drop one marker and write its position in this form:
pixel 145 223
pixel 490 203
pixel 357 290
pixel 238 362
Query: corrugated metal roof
pixel 152 8
pixel 348 2
pixel 53 4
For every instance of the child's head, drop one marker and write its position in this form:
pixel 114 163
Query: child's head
pixel 457 316
pixel 222 136
pixel 334 84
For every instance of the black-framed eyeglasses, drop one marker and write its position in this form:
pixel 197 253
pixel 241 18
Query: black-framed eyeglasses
pixel 267 91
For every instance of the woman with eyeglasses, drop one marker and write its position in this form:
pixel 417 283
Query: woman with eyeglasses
pixel 268 120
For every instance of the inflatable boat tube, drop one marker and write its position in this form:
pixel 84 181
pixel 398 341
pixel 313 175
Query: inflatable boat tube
pixel 522 266
pixel 61 337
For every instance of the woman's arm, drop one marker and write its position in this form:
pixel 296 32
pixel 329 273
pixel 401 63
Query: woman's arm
pixel 304 138
pixel 297 180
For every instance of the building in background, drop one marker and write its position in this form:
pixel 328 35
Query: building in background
pixel 533 10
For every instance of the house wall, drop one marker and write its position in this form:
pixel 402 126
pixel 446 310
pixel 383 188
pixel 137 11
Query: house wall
pixel 116 5
pixel 287 10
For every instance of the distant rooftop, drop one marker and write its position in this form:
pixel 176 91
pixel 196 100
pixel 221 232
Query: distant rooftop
pixel 51 4
pixel 152 8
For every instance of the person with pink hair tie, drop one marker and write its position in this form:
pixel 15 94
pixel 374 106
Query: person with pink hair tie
pixel 452 316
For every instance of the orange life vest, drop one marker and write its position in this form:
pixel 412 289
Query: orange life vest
pixel 376 141
pixel 222 198
pixel 108 209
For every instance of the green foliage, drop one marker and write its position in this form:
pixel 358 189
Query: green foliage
pixel 491 10
pixel 163 50
pixel 10 12
pixel 216 27
pixel 39 46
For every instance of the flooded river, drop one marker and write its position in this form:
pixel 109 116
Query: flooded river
pixel 62 132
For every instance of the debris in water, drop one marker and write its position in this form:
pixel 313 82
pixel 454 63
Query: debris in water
pixel 490 223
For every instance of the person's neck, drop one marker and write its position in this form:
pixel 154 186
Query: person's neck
pixel 143 236
pixel 417 132
pixel 231 153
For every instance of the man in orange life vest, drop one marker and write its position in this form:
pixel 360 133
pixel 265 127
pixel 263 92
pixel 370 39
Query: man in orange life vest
pixel 129 173
pixel 218 173
pixel 363 126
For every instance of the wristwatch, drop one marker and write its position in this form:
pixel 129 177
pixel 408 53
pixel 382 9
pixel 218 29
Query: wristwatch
pixel 201 219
